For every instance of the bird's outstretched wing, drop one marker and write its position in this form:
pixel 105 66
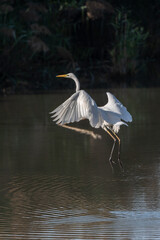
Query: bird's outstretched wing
pixel 115 106
pixel 79 106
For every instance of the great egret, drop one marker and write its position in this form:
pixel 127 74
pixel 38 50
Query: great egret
pixel 81 106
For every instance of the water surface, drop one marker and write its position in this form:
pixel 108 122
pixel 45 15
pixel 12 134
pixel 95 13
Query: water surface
pixel 58 184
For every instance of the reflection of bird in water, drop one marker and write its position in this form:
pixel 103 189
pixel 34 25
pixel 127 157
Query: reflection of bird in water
pixel 81 106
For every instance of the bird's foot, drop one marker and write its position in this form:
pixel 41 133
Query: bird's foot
pixel 121 164
pixel 111 163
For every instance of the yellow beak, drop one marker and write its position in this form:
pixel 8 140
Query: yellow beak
pixel 64 75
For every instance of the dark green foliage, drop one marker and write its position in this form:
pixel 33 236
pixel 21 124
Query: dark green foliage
pixel 42 38
pixel 129 44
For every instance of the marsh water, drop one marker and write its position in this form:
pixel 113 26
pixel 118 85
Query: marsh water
pixel 56 183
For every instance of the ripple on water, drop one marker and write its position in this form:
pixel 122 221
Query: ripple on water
pixel 61 207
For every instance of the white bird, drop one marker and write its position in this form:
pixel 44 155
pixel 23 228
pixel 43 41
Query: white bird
pixel 81 106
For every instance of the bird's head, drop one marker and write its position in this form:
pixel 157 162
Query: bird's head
pixel 68 75
pixel 73 77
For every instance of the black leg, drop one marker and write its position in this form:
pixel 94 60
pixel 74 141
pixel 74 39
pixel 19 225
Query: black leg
pixel 119 151
pixel 110 157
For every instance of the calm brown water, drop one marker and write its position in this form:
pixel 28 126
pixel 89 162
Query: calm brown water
pixel 58 184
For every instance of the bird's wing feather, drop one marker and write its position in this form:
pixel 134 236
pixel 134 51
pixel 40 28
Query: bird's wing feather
pixel 79 106
pixel 115 106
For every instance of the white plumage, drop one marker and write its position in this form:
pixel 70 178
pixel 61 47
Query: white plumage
pixel 81 106
pixel 114 113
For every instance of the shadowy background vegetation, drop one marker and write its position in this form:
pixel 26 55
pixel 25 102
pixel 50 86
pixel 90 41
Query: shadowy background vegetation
pixel 106 43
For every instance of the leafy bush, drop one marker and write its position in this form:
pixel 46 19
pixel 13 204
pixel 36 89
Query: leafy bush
pixel 130 41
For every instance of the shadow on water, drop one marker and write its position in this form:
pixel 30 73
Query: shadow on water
pixel 58 184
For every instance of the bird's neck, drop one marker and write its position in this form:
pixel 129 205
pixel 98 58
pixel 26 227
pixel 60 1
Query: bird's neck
pixel 77 84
